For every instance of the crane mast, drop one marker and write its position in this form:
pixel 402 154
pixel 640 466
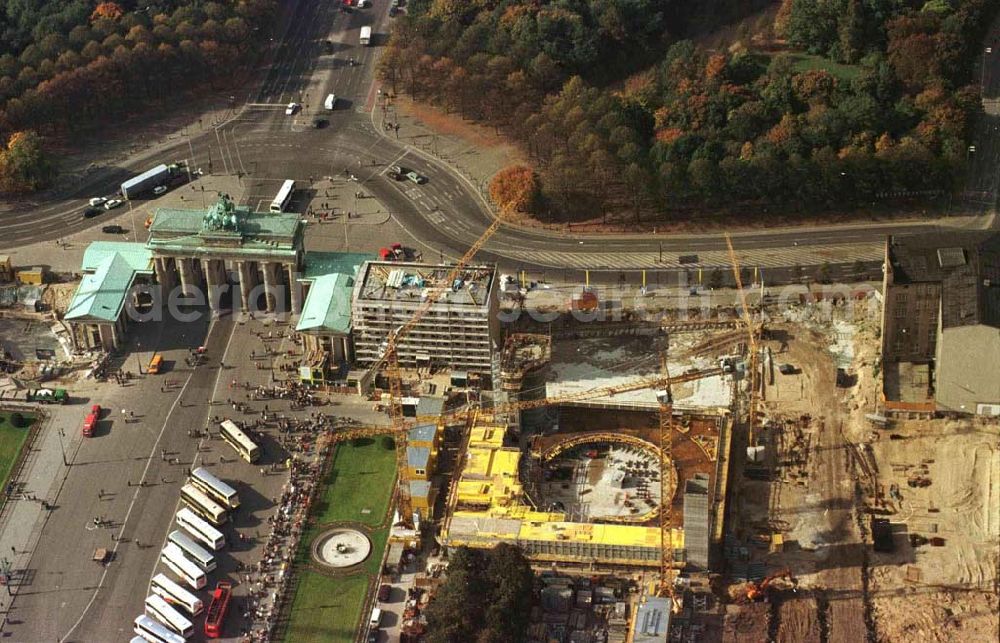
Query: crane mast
pixel 390 358
pixel 666 427
pixel 751 342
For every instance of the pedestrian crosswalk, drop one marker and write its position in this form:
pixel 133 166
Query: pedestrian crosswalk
pixel 759 258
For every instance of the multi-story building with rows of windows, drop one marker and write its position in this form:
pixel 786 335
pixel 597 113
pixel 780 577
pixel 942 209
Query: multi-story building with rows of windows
pixel 458 331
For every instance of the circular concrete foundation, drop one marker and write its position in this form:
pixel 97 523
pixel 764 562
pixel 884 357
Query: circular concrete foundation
pixel 341 547
pixel 606 482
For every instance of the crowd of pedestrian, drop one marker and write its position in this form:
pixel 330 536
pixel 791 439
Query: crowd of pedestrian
pixel 268 579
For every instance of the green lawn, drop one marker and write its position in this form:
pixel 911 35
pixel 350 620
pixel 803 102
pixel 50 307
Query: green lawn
pixel 328 609
pixel 358 488
pixel 11 441
pixel 805 62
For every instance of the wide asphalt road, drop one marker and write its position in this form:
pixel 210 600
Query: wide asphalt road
pixel 447 214
pixel 90 596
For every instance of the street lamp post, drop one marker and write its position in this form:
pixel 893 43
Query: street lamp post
pixel 347 216
pixel 138 357
pixel 131 214
pixel 62 449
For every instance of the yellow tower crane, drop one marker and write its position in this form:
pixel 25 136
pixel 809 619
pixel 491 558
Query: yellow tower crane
pixel 390 358
pixel 752 331
pixel 666 436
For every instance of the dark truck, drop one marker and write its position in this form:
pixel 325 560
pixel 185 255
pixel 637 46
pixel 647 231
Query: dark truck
pixel 162 174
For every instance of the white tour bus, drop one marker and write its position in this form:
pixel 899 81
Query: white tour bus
pixel 283 197
pixel 199 528
pixel 217 489
pixel 164 613
pixel 193 550
pixel 239 441
pixel 174 594
pixel 366 35
pixel 173 557
pixel 204 506
pixel 150 630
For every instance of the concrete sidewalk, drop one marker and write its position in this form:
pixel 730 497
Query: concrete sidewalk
pixel 476 161
pixel 40 481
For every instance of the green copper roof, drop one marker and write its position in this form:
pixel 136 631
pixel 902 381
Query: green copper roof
pixel 331 280
pixel 136 254
pixel 328 305
pixel 316 264
pixel 109 270
pixel 226 227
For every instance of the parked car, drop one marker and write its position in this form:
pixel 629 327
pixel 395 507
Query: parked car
pixel 384 591
pixel 160 189
pixel 419 179
pixel 291 109
pixel 98 200
pixel 113 229
pixel 92 212
pixel 112 204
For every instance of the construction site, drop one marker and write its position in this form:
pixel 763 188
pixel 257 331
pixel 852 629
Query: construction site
pixel 747 480
pixel 731 472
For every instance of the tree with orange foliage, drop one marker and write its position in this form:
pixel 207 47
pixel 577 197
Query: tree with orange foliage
pixel 107 10
pixel 515 189
pixel 23 165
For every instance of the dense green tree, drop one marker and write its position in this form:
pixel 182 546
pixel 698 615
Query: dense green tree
pixel 486 598
pixel 702 126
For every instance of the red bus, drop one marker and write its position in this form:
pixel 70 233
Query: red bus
pixel 217 609
pixel 91 421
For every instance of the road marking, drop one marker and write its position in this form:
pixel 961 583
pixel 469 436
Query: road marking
pixel 197 453
pixel 131 505
pixel 393 162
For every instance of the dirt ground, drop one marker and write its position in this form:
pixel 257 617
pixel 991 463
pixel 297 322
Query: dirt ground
pixel 811 502
pixel 834 469
pixel 946 592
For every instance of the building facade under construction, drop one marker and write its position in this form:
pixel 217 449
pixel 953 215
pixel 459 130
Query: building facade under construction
pixel 458 331
pixel 488 504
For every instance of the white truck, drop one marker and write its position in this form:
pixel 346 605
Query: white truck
pixel 366 35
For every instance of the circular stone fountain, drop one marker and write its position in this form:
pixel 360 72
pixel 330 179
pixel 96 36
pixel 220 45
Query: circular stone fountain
pixel 341 547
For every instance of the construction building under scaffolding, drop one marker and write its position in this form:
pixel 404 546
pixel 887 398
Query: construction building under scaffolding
pixel 459 330
pixel 584 486
pixel 488 505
